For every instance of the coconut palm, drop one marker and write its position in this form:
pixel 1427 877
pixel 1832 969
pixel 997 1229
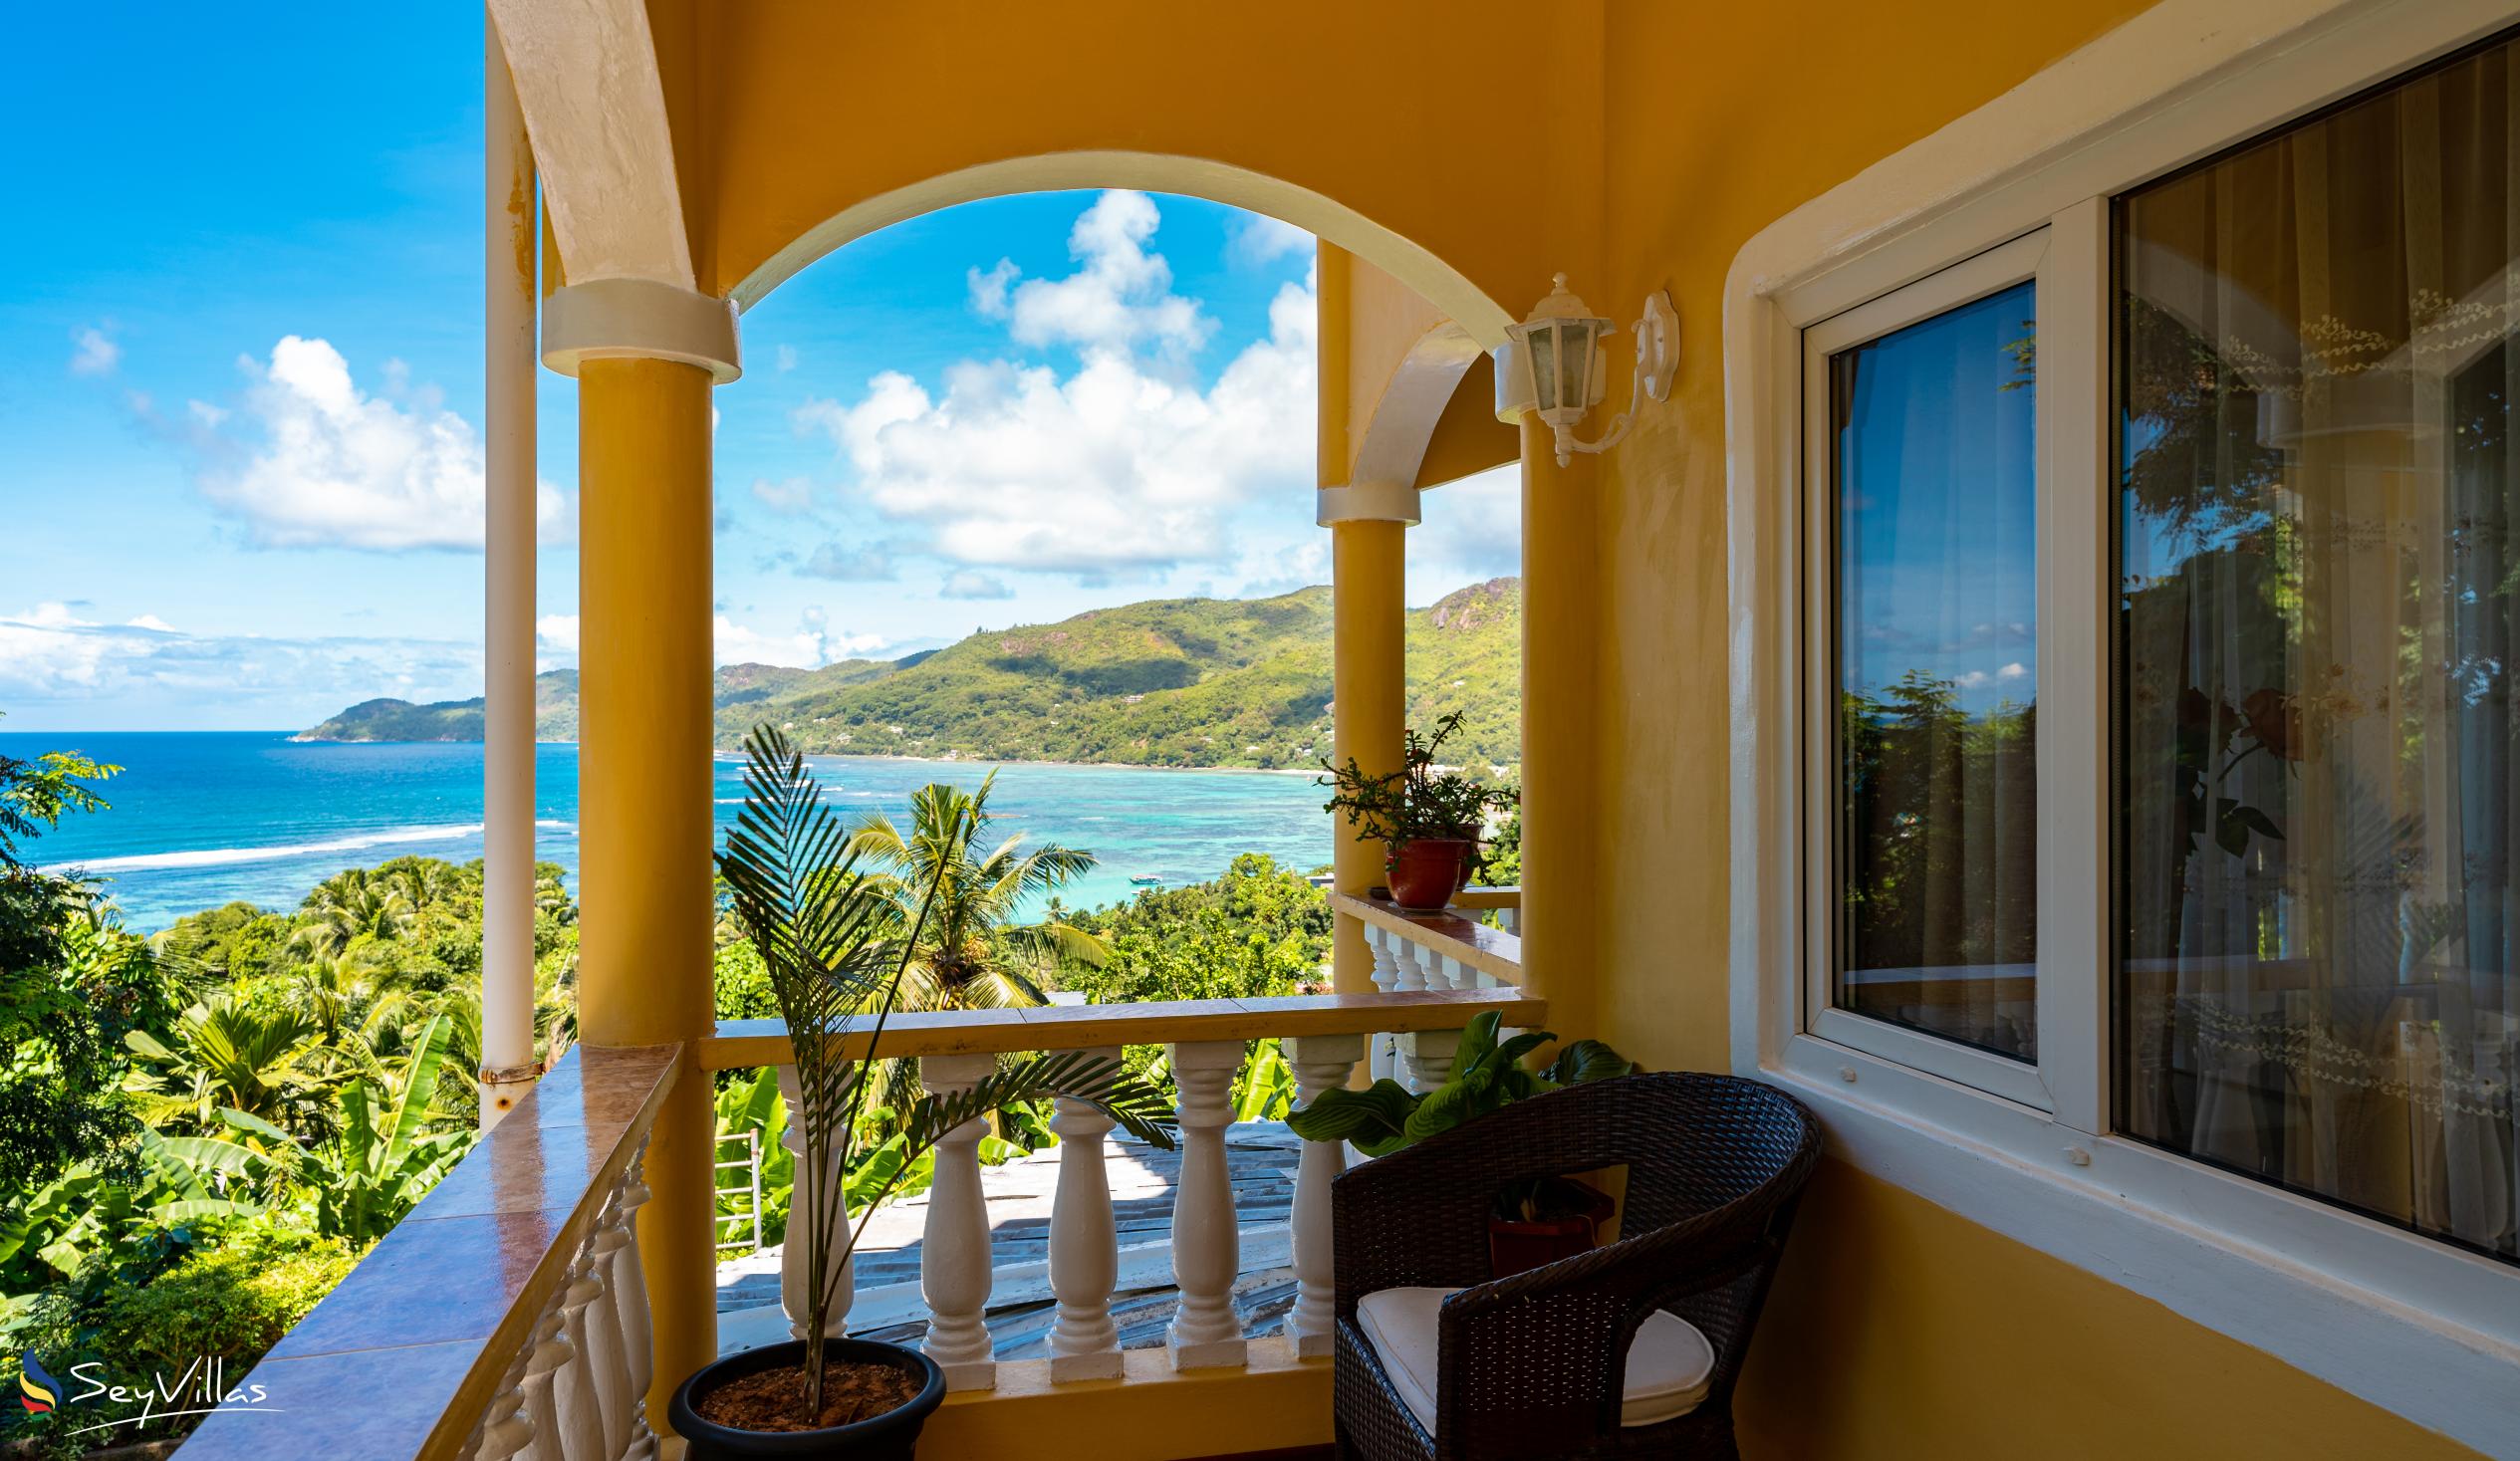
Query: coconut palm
pixel 223 1053
pixel 973 955
pixel 350 903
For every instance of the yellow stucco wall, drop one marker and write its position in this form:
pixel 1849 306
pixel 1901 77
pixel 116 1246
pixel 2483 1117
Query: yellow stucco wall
pixel 1900 1330
pixel 1465 146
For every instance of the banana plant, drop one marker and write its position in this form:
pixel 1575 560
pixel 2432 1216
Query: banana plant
pixel 838 951
pixel 1486 1074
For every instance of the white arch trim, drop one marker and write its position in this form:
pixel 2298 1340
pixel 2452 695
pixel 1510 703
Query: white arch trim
pixel 1442 284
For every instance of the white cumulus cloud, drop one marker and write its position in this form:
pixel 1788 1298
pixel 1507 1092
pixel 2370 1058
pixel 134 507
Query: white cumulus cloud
pixel 812 646
pixel 325 464
pixel 557 631
pixel 1123 464
pixel 973 584
pixel 1120 296
pixel 93 351
pixel 51 658
pixel 1261 239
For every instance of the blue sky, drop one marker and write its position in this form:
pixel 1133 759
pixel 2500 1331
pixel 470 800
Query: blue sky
pixel 1938 541
pixel 239 420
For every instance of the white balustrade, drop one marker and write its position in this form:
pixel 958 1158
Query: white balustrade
pixel 580 1383
pixel 1083 1246
pixel 507 1431
pixel 630 1298
pixel 817 1192
pixel 1322 1062
pixel 544 1358
pixel 953 1256
pixel 1206 1247
pixel 576 1390
pixel 620 1402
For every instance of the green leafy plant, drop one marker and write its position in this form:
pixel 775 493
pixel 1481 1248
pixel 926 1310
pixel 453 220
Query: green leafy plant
pixel 1420 800
pixel 836 945
pixel 1487 1074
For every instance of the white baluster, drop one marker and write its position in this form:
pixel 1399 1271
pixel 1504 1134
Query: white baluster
pixel 1322 1062
pixel 546 1353
pixel 629 1295
pixel 1386 978
pixel 1426 1058
pixel 1510 920
pixel 1206 1250
pixel 1083 1246
pixel 606 1352
pixel 506 1430
pixel 1406 957
pixel 578 1383
pixel 1387 970
pixel 822 1193
pixel 953 1256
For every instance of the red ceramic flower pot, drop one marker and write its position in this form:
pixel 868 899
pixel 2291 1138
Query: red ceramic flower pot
pixel 1515 1245
pixel 1427 871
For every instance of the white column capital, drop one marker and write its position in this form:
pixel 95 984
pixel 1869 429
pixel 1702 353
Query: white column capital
pixel 640 319
pixel 1366 502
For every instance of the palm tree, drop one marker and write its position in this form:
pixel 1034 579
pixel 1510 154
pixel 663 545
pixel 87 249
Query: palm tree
pixel 226 1053
pixel 972 956
pixel 349 903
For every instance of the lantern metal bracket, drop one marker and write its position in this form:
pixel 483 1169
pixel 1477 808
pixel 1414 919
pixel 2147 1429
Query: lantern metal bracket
pixel 1658 332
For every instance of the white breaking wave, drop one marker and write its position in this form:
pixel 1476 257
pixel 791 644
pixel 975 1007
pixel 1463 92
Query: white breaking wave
pixel 222 857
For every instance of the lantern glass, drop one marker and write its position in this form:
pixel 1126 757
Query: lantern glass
pixel 1542 342
pixel 1574 349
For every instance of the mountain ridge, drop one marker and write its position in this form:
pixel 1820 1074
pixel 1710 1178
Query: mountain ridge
pixel 1204 682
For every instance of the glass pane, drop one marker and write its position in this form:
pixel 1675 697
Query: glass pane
pixel 2322 601
pixel 1937 611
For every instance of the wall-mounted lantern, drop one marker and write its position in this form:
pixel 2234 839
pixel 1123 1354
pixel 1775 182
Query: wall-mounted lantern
pixel 1553 364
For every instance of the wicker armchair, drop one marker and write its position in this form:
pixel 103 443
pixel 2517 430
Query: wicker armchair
pixel 1533 1364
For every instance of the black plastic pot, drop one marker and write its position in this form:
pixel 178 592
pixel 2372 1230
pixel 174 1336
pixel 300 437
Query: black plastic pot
pixel 892 1436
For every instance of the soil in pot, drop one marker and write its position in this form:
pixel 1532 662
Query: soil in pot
pixel 774 1399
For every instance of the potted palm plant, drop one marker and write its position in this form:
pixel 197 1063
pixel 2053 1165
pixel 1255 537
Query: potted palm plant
pixel 1534 1220
pixel 1429 820
pixel 836 950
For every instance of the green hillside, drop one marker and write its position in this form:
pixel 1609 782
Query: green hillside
pixel 1169 682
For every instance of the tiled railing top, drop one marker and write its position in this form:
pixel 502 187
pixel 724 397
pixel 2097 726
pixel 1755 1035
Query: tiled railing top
pixel 1492 951
pixel 745 1042
pixel 395 1362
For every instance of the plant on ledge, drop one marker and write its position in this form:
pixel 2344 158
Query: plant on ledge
pixel 836 953
pixel 1429 820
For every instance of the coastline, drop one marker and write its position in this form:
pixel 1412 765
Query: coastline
pixel 721 753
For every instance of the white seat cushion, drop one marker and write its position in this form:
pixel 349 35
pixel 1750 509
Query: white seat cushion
pixel 1668 1366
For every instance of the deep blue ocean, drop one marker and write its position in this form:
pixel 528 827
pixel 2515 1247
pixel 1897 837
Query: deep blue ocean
pixel 202 819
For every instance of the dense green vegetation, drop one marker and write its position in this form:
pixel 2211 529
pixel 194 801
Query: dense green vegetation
pixel 202 1132
pixel 1170 682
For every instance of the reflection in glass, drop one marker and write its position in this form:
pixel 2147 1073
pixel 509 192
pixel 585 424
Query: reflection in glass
pixel 2322 599
pixel 1936 608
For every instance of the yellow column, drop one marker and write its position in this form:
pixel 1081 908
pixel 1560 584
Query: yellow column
pixel 1369 690
pixel 1562 705
pixel 643 777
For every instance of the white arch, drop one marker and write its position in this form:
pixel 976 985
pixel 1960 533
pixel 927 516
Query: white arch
pixel 1481 317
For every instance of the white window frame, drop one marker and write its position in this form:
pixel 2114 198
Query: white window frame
pixel 2064 1002
pixel 2423 1329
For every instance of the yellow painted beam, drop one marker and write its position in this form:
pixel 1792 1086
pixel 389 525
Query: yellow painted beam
pixel 1370 691
pixel 1562 709
pixel 644 663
